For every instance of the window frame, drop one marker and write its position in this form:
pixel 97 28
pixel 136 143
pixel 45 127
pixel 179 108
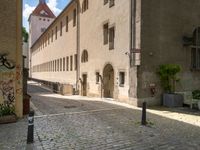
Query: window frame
pixel 74 17
pixel 105 33
pixel 122 78
pixel 112 38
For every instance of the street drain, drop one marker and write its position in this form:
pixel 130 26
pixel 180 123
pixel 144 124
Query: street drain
pixel 69 107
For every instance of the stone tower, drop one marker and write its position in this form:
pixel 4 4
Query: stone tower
pixel 39 20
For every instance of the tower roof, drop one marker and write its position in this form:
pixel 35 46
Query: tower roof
pixel 43 10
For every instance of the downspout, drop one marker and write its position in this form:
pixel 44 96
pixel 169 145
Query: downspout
pixel 78 44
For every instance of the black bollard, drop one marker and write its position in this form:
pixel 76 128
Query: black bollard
pixel 30 136
pixel 144 106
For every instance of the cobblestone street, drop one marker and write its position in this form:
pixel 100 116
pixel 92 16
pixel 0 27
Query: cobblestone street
pixel 75 123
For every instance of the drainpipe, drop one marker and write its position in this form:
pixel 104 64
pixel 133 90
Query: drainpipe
pixel 78 42
pixel 101 78
pixel 132 25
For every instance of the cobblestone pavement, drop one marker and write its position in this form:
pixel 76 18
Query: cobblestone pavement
pixel 79 123
pixel 64 124
pixel 13 136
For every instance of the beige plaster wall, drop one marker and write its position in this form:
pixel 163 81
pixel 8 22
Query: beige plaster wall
pixel 64 46
pixel 91 39
pixel 11 43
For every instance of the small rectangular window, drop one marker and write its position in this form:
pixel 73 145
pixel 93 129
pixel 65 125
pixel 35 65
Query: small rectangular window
pixel 67 64
pixel 56 32
pixel 71 63
pixel 60 64
pixel 121 78
pixel 64 64
pixel 55 67
pixel 105 33
pixel 74 17
pixel 111 38
pixel 67 23
pixel 61 28
pixel 97 77
pixel 52 36
pixel 57 64
pixel 75 62
pixel 112 3
pixel 48 38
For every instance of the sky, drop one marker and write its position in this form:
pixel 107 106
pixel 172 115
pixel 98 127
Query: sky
pixel 29 5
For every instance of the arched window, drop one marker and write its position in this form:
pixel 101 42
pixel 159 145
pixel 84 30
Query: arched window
pixel 195 53
pixel 84 5
pixel 84 57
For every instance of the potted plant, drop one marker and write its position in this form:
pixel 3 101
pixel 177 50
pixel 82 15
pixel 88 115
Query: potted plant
pixel 7 114
pixel 196 97
pixel 168 76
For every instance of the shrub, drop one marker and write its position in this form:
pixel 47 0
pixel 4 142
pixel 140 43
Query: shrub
pixel 196 94
pixel 6 110
pixel 168 76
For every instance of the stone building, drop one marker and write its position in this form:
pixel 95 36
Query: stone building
pixel 11 64
pixel 112 48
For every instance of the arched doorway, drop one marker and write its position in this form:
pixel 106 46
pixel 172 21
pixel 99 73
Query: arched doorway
pixel 108 81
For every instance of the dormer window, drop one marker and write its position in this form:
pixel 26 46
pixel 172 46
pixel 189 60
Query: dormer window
pixel 43 12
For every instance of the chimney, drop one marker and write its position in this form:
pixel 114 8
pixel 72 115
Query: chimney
pixel 42 1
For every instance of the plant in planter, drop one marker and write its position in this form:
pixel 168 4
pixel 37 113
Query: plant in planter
pixel 7 114
pixel 168 76
pixel 196 97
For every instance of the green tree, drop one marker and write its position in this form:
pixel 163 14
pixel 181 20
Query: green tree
pixel 24 34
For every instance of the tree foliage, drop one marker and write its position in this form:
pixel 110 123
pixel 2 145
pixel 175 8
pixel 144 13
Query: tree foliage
pixel 24 34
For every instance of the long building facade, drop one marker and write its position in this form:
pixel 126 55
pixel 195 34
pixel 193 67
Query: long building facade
pixel 112 48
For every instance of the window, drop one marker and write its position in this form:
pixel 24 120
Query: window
pixel 60 64
pixel 84 5
pixel 84 57
pixel 71 63
pixel 56 32
pixel 97 77
pixel 67 23
pixel 45 41
pixel 105 2
pixel 112 3
pixel 105 33
pixel 55 66
pixel 61 28
pixel 111 38
pixel 52 36
pixel 74 17
pixel 75 62
pixel 63 64
pixel 48 38
pixel 67 64
pixel 121 78
pixel 195 51
pixel 43 29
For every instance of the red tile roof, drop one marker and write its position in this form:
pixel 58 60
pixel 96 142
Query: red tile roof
pixel 44 7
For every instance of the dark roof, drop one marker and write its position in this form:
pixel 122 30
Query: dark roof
pixel 40 7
